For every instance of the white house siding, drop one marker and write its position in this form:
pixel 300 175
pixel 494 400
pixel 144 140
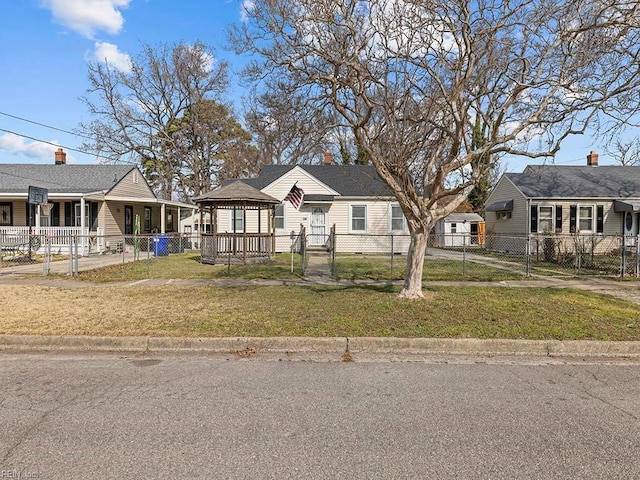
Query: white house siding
pixel 376 238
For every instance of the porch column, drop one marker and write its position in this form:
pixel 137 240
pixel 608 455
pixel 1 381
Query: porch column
pixel 163 219
pixel 37 219
pixel 83 226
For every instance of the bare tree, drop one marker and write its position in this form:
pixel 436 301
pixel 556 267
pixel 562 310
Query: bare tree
pixel 134 110
pixel 625 151
pixel 286 127
pixel 411 77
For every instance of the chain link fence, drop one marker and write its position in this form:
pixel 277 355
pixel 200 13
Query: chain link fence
pixel 355 256
pixel 464 254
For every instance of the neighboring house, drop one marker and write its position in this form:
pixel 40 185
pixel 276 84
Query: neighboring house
pixel 351 197
pixel 459 229
pixel 98 203
pixel 547 200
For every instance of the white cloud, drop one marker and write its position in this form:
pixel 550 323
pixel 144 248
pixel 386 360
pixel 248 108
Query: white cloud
pixel 109 53
pixel 88 16
pixel 17 145
pixel 246 8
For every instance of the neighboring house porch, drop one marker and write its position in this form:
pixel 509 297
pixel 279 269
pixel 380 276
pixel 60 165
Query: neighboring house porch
pixel 99 205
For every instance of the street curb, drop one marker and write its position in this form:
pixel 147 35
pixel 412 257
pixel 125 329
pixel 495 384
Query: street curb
pixel 338 345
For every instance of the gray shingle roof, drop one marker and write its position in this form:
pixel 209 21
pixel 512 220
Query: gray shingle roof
pixel 463 217
pixel 553 181
pixel 234 192
pixel 16 178
pixel 347 180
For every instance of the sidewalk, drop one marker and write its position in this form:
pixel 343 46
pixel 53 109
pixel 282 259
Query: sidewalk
pixel 63 267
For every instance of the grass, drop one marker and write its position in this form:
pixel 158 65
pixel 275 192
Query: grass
pixel 173 310
pixel 188 266
pixel 379 268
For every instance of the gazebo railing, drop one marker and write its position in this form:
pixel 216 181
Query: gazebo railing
pixel 239 246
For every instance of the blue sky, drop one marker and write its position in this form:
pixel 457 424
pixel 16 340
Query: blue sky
pixel 45 46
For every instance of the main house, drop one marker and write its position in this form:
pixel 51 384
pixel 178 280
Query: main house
pixel 353 198
pixel 350 200
pixel 547 200
pixel 98 203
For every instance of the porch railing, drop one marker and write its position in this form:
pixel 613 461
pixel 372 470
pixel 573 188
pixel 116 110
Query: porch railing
pixel 219 246
pixel 55 236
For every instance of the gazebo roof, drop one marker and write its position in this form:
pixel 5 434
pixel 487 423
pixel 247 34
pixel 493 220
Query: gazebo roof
pixel 236 193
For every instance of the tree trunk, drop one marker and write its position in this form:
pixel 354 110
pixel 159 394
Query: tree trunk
pixel 412 287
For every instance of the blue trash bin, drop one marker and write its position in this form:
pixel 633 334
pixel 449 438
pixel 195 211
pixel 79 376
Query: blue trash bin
pixel 160 245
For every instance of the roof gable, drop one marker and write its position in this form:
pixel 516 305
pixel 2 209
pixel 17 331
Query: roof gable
pixel 16 178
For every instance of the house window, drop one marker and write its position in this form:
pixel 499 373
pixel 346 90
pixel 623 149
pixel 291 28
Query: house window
pixel 586 218
pixel 358 218
pixel 503 215
pixel 6 214
pixel 398 222
pixel 147 219
pixel 545 219
pixel 454 228
pixel 236 220
pixel 279 217
pixel 45 218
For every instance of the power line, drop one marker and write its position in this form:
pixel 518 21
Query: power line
pixel 49 143
pixel 45 125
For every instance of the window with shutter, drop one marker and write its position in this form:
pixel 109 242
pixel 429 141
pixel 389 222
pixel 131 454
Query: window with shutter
pixel 534 218
pixel 573 213
pixel 558 218
pixel 600 219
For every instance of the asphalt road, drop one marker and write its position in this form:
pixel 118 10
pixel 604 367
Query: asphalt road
pixel 116 417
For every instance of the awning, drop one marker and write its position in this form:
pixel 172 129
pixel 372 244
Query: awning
pixel 626 206
pixel 501 206
pixel 313 198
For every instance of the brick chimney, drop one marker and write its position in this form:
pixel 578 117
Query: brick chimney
pixel 592 159
pixel 328 159
pixel 61 157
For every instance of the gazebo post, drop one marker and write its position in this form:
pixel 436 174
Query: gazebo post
pixel 260 249
pixel 244 232
pixel 213 218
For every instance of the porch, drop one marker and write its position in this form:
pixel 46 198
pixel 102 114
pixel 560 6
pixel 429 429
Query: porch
pixel 17 239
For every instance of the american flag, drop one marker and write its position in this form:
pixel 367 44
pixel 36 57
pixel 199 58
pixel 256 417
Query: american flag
pixel 295 196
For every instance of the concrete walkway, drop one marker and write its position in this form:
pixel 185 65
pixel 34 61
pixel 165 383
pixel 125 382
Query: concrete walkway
pixel 318 264
pixel 63 267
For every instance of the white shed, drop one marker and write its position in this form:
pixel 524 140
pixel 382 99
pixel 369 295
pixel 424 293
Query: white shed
pixel 459 229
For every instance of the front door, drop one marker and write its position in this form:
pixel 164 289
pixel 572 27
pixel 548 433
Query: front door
pixel 474 234
pixel 318 226
pixel 128 220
